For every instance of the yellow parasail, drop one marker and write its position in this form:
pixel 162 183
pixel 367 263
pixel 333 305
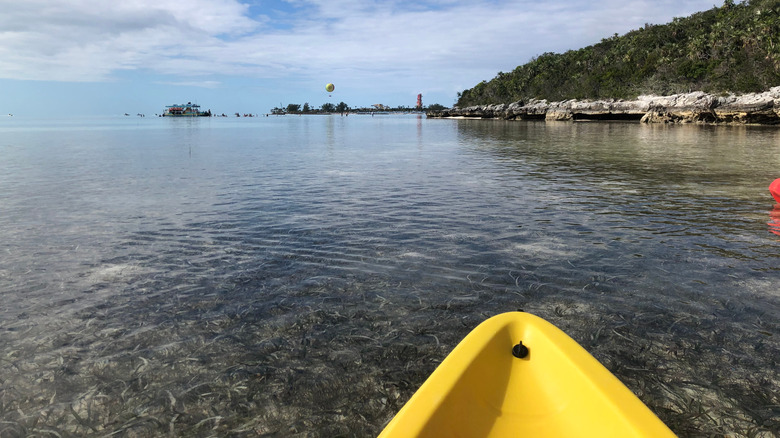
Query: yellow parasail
pixel 330 87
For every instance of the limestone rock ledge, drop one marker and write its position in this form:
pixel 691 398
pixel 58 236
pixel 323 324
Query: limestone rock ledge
pixel 695 107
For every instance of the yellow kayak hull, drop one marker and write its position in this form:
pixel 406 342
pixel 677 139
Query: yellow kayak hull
pixel 553 388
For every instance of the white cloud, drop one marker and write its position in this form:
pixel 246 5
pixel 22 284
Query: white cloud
pixel 88 40
pixel 92 40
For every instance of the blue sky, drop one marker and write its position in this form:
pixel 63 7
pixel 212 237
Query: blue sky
pixel 91 57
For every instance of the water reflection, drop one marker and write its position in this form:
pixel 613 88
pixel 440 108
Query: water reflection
pixel 774 215
pixel 774 220
pixel 672 184
pixel 702 159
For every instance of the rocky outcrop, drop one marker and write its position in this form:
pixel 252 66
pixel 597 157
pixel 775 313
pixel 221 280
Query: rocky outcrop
pixel 695 107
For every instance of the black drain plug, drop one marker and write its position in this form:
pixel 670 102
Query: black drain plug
pixel 520 351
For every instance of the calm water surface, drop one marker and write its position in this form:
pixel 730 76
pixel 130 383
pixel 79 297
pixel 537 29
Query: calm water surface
pixel 301 276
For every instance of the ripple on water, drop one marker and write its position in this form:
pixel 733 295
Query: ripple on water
pixel 195 281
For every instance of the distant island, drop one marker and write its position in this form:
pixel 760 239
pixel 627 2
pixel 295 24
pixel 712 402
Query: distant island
pixel 730 55
pixel 343 108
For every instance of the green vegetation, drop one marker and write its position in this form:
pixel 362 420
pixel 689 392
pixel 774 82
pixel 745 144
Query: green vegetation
pixel 733 48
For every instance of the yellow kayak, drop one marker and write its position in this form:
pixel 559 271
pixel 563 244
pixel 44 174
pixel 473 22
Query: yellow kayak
pixel 517 375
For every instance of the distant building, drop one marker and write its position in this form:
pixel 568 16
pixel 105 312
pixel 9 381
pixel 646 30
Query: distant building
pixel 185 110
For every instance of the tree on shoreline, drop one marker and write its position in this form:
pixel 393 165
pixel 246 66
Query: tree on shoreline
pixel 342 107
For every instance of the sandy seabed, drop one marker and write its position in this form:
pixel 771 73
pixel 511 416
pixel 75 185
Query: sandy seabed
pixel 339 356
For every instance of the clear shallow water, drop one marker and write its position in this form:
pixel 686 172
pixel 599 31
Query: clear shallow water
pixel 303 275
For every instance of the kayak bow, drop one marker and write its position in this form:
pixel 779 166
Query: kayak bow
pixel 517 375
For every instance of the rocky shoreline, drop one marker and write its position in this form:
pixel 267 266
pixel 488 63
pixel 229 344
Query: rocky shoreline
pixel 696 107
